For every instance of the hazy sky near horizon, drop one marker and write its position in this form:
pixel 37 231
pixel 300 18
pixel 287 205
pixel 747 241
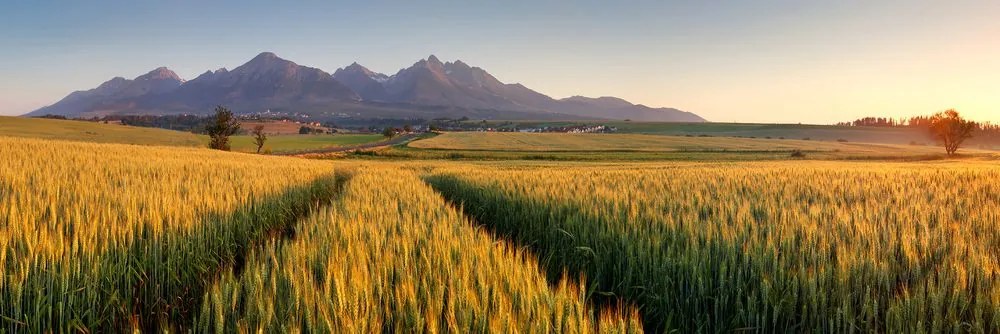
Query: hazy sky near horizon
pixel 765 61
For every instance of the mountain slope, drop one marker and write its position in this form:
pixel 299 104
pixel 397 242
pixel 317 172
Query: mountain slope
pixel 431 82
pixel 618 109
pixel 113 94
pixel 265 82
pixel 363 81
pixel 428 88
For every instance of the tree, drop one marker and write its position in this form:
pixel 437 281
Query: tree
pixel 259 137
pixel 951 129
pixel 223 125
pixel 304 130
pixel 407 128
pixel 389 132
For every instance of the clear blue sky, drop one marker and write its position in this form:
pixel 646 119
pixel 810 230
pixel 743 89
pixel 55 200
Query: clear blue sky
pixel 774 61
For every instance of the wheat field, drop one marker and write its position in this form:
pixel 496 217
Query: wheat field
pixel 113 238
pixel 784 246
pixel 106 236
pixel 392 256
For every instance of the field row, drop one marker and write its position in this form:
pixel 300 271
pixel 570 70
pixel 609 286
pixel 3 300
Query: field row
pixel 392 256
pixel 116 238
pixel 105 236
pixel 828 247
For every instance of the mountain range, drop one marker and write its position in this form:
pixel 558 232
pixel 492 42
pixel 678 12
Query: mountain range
pixel 427 89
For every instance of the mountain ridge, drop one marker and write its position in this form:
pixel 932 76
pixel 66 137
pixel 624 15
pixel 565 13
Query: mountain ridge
pixel 427 88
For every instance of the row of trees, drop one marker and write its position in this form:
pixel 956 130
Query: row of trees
pixel 948 127
pixel 912 122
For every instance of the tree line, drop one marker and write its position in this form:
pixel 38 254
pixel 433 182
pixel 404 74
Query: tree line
pixel 947 127
pixel 913 122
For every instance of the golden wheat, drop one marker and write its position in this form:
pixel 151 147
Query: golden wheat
pixel 782 246
pixel 90 231
pixel 392 256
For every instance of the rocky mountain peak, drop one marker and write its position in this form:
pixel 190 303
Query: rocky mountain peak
pixel 160 73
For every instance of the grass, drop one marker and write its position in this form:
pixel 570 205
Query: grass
pixel 583 142
pixel 770 247
pixel 293 143
pixel 392 256
pixel 901 136
pixel 410 153
pixel 94 132
pixel 630 147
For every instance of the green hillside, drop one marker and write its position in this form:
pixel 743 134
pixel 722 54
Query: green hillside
pixel 94 132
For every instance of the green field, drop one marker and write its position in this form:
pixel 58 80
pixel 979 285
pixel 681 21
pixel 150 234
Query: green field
pixel 538 146
pixel 94 132
pixel 580 142
pixel 903 136
pixel 294 143
pixel 122 134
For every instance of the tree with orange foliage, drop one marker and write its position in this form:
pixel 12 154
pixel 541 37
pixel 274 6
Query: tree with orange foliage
pixel 951 129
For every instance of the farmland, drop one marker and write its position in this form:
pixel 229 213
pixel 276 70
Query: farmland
pixel 772 247
pixel 686 238
pixel 902 136
pixel 583 142
pixel 295 143
pixel 116 236
pixel 638 147
pixel 94 132
pixel 391 256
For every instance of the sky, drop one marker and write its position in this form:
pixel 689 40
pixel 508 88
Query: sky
pixel 817 62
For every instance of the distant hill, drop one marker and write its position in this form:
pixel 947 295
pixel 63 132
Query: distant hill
pixel 427 89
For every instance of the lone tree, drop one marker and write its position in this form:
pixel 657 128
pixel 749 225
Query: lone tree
pixel 259 137
pixel 389 132
pixel 951 129
pixel 223 126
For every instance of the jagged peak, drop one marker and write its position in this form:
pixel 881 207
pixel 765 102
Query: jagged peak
pixel 116 81
pixel 266 61
pixel 358 68
pixel 160 73
pixel 265 58
pixel 354 66
pixel 458 64
pixel 266 55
